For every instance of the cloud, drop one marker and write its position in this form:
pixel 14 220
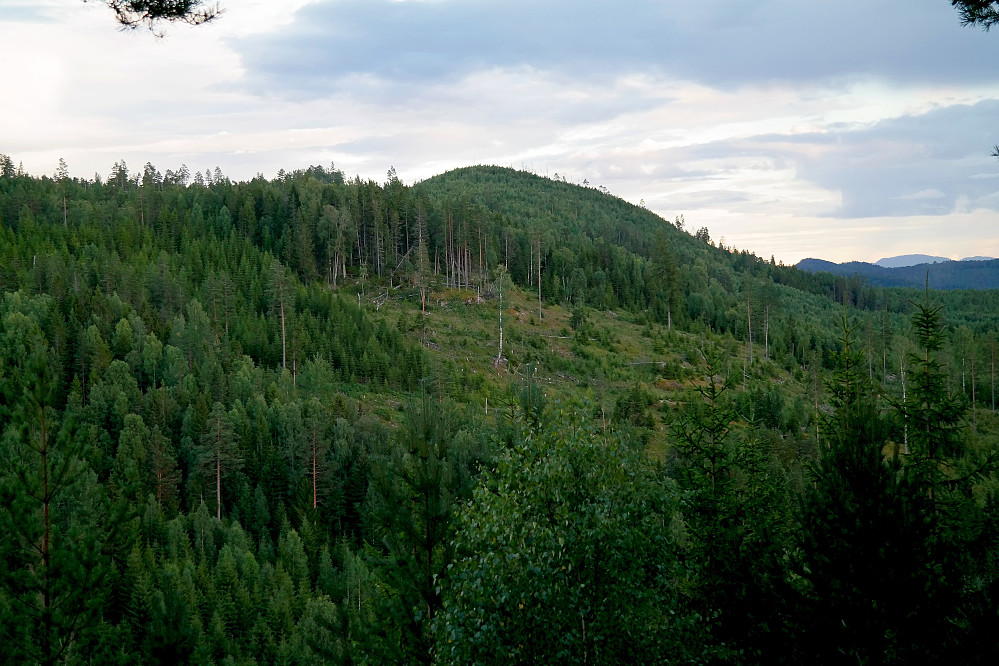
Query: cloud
pixel 778 125
pixel 929 193
pixel 925 164
pixel 37 11
pixel 723 43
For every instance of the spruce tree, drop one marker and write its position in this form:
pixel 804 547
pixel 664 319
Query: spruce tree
pixel 737 510
pixel 415 492
pixel 884 558
pixel 931 415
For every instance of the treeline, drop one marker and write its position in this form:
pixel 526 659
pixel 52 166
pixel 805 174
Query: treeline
pixel 585 247
pixel 576 246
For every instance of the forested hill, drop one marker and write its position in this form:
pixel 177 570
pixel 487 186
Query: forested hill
pixel 942 275
pixel 600 250
pixel 554 209
pixel 612 242
pixel 488 418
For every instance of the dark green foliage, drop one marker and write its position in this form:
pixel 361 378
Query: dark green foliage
pixel 565 556
pixel 530 397
pixel 737 512
pixel 886 569
pixel 152 13
pixel 205 377
pixel 981 13
pixel 58 522
pixel 633 407
pixel 418 485
pixel 932 417
pixel 874 583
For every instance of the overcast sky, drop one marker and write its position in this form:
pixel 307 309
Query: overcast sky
pixel 841 130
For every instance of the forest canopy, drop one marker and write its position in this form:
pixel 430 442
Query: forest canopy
pixel 272 420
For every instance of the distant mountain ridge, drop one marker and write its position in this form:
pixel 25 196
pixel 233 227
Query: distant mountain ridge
pixel 972 273
pixel 909 260
pixel 904 260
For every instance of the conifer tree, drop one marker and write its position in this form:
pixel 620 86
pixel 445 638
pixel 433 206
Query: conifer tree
pixel 885 560
pixel 280 289
pixel 737 513
pixel 932 417
pixel 151 14
pixel 415 493
pixel 55 518
pixel 218 453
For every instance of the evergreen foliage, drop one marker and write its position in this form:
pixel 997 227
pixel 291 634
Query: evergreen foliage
pixel 210 451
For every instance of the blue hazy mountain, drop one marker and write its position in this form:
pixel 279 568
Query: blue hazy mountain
pixel 909 260
pixel 971 273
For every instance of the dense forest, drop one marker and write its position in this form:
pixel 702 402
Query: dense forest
pixel 491 417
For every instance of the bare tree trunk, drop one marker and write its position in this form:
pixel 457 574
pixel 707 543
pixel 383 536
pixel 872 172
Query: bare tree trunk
pixel 539 279
pixel 218 483
pixel 499 352
pixel 973 419
pixel 284 344
pixel 884 345
pixel 766 332
pixel 905 427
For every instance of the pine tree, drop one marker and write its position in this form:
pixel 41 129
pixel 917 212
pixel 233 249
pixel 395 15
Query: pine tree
pixel 55 518
pixel 865 533
pixel 61 176
pixel 218 453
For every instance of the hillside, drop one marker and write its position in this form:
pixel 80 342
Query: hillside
pixel 277 423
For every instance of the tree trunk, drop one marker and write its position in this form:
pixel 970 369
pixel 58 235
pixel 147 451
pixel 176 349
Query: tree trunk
pixel 218 483
pixel 766 332
pixel 46 551
pixel 539 279
pixel 284 343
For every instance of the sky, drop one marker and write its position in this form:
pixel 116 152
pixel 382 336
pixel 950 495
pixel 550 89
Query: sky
pixel 847 130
